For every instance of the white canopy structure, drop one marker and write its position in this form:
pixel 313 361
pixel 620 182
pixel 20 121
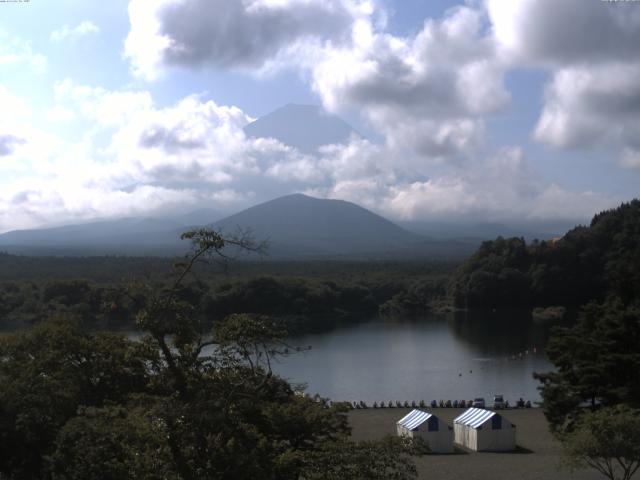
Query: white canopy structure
pixel 483 430
pixel 437 434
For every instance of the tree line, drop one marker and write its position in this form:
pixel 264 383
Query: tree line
pixel 592 398
pixel 305 301
pixel 184 402
pixel 589 263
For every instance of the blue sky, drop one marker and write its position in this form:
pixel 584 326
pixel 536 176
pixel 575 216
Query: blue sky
pixel 489 110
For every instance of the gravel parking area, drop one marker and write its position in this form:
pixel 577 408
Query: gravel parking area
pixel 537 456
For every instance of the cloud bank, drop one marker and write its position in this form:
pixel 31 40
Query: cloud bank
pixel 195 153
pixel 429 95
pixel 590 48
pixel 82 29
pixel 240 34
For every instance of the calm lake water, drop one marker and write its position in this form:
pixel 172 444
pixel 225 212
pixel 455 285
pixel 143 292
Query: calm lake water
pixel 454 356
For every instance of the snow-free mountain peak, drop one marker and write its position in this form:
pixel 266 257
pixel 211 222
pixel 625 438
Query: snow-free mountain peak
pixel 296 227
pixel 305 127
pixel 298 224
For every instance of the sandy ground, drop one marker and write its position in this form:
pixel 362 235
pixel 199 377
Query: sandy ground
pixel 537 456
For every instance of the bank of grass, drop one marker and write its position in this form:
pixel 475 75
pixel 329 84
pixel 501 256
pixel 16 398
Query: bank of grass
pixel 537 456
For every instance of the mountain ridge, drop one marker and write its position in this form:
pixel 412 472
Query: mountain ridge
pixel 300 223
pixel 296 226
pixel 305 127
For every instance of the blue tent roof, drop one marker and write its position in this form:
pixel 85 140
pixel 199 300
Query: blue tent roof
pixel 474 417
pixel 414 419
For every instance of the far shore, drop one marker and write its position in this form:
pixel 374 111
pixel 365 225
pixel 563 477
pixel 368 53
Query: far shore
pixel 537 456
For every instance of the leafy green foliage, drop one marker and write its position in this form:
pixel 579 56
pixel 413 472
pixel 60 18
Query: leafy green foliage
pixel 493 276
pixel 607 440
pixel 47 373
pixel 295 296
pixel 306 302
pixel 597 364
pixel 420 297
pixel 386 459
pixel 111 443
pixel 184 402
pixel 588 263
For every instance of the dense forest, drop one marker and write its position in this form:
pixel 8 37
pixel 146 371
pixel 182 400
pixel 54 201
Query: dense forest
pixel 105 406
pixel 76 405
pixel 588 263
pixel 106 292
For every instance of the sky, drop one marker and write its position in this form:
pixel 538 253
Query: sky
pixel 484 110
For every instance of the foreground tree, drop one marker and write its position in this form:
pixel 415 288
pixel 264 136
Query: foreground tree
pixel 607 440
pixel 185 402
pixel 388 459
pixel 597 364
pixel 46 374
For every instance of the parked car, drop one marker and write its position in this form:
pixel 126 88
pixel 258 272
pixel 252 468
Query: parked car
pixel 498 402
pixel 478 402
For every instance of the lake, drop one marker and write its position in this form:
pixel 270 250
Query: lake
pixel 453 356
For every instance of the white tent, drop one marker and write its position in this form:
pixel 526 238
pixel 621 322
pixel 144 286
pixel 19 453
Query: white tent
pixel 479 429
pixel 437 434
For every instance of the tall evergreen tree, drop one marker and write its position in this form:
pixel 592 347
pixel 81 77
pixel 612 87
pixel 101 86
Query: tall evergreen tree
pixel 597 364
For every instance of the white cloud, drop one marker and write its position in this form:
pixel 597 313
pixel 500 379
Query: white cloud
pixel 454 198
pixel 13 108
pixel 84 28
pixel 427 93
pixel 630 158
pixel 18 138
pixel 107 108
pixel 592 104
pixel 136 158
pixel 16 51
pixel 8 143
pixel 239 34
pixel 553 33
pixel 55 203
pixel 591 50
pixel 502 187
pixel 554 202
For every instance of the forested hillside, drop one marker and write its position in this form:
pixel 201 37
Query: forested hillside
pixel 589 263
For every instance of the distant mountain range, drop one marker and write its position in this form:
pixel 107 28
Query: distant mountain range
pixel 295 226
pixel 306 127
pixel 124 236
pixel 299 225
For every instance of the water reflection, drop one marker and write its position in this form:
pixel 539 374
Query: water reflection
pixel 457 356
pixel 499 333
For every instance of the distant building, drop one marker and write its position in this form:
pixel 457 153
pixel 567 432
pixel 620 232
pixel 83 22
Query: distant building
pixel 483 430
pixel 437 434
